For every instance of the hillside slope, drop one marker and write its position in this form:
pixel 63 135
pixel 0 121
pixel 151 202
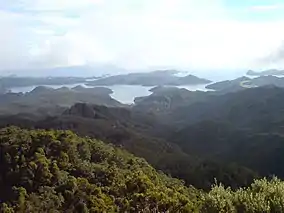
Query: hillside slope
pixel 126 129
pixel 57 171
pixel 245 127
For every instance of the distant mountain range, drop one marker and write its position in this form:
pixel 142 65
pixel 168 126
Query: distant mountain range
pixel 245 82
pixel 155 78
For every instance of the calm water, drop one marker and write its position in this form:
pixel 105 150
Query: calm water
pixel 123 93
pixel 127 93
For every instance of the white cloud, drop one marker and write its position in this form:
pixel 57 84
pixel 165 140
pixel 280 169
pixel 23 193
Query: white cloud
pixel 50 5
pixel 268 7
pixel 197 34
pixel 14 40
pixel 274 58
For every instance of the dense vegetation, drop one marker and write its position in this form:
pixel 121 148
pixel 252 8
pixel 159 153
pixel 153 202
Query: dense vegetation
pixel 262 196
pixel 57 171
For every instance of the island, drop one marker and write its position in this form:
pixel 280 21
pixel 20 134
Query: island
pixel 265 72
pixel 166 98
pixel 245 83
pixel 155 78
pixel 230 85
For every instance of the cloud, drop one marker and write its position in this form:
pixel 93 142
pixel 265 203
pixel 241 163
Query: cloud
pixel 47 5
pixel 268 7
pixel 14 39
pixel 197 34
pixel 274 58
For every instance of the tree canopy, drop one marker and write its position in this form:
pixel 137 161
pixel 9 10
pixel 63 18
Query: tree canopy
pixel 57 171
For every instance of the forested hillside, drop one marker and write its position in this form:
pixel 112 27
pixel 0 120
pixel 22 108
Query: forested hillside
pixel 57 171
pixel 244 127
pixel 135 131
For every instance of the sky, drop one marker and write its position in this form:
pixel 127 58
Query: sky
pixel 141 34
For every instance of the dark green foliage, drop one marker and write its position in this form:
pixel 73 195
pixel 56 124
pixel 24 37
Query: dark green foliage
pixel 261 197
pixel 57 171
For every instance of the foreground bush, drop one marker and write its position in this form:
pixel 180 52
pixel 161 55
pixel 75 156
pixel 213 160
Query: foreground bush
pixel 261 197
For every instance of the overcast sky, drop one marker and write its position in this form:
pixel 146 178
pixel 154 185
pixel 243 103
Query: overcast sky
pixel 137 34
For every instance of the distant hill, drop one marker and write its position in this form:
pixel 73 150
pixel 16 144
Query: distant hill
pixel 45 100
pixel 251 107
pixel 229 85
pixel 245 127
pixel 245 83
pixel 155 78
pixel 167 98
pixel 266 72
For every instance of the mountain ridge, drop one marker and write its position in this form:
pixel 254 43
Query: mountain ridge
pixel 154 78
